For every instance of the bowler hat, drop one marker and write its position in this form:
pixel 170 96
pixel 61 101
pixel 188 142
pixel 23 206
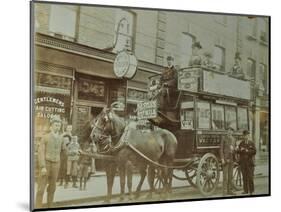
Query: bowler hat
pixel 246 132
pixel 197 44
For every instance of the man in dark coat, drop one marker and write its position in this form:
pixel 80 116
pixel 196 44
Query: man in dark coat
pixel 247 151
pixel 49 163
pixel 168 83
pixel 226 153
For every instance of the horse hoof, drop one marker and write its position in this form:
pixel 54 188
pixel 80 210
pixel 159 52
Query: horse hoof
pixel 121 199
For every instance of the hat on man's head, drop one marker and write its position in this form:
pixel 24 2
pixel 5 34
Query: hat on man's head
pixel 197 44
pixel 237 56
pixel 170 57
pixel 246 132
pixel 55 119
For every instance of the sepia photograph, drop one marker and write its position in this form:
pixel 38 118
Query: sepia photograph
pixel 142 105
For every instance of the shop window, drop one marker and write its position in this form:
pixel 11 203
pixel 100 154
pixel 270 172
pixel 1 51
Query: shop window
pixel 186 48
pixel 91 90
pixel 124 30
pixel 187 115
pixel 62 21
pixel 217 117
pixel 203 115
pixel 242 119
pixel 219 58
pixel 230 117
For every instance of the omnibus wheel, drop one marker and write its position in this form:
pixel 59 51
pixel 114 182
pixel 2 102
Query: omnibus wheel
pixel 208 173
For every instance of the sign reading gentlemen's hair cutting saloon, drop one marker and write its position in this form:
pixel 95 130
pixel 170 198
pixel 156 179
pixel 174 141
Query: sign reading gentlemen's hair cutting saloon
pixel 125 65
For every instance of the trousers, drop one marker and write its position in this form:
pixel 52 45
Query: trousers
pixel 49 179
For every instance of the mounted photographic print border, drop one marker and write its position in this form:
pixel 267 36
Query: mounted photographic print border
pixel 139 105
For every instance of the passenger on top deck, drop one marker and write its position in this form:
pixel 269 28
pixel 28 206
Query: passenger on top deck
pixel 208 60
pixel 196 57
pixel 237 71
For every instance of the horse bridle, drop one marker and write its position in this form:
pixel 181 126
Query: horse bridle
pixel 102 136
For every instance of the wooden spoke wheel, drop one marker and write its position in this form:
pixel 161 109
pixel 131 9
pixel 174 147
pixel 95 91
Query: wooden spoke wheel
pixel 207 177
pixel 191 174
pixel 237 179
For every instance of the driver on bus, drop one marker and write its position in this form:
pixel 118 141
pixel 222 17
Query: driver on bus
pixel 168 82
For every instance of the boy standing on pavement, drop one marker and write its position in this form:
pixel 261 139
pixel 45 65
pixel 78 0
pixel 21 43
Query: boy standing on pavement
pixel 72 161
pixel 85 162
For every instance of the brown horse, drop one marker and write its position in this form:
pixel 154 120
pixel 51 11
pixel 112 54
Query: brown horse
pixel 159 146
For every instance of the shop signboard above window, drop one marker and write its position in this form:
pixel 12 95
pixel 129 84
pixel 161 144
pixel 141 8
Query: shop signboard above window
pixel 91 90
pixel 53 81
pixel 136 95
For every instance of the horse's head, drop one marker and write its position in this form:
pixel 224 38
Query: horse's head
pixel 106 125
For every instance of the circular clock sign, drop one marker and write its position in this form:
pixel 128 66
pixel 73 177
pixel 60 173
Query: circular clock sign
pixel 125 65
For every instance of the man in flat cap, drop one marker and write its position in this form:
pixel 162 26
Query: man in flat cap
pixel 227 155
pixel 49 162
pixel 247 151
pixel 196 58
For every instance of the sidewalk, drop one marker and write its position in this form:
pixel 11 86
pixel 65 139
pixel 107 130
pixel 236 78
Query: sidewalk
pixel 97 187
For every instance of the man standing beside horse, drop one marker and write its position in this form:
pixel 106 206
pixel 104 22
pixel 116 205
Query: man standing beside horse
pixel 226 153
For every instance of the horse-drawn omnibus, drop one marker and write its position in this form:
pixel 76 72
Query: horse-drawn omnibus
pixel 206 104
pixel 189 124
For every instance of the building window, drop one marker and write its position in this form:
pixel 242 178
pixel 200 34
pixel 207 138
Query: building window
pixel 263 29
pixel 263 77
pixel 186 48
pixel 217 117
pixel 124 31
pixel 252 26
pixel 63 21
pixel 219 58
pixel 251 68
